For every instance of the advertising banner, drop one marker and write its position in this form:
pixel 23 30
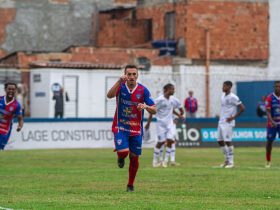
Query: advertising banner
pixel 96 133
pixel 65 134
pixel 204 133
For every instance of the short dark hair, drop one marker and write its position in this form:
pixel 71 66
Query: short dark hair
pixel 167 86
pixel 228 83
pixel 276 82
pixel 130 66
pixel 9 83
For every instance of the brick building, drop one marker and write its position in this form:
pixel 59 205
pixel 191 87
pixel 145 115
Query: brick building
pixel 238 29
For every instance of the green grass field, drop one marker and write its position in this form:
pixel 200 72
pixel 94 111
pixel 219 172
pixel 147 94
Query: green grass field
pixel 90 179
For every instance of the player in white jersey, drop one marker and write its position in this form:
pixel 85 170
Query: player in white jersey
pixel 177 116
pixel 231 108
pixel 166 104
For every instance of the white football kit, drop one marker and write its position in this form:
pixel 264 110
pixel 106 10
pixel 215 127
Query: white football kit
pixel 229 104
pixel 165 125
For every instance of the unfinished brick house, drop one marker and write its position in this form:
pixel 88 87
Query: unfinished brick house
pixel 238 30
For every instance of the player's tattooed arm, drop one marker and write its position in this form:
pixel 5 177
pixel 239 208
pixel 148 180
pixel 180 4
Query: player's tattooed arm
pixel 113 91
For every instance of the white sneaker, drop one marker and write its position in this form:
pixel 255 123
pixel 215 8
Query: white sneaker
pixel 164 164
pixel 173 163
pixel 224 164
pixel 268 164
pixel 230 165
pixel 156 165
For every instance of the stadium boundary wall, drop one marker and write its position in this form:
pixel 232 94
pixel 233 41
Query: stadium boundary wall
pixel 43 133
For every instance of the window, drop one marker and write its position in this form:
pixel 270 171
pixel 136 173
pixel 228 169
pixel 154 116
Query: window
pixel 170 25
pixel 140 2
pixel 149 30
pixel 144 63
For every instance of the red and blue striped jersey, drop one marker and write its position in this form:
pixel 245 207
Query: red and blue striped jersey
pixel 191 104
pixel 127 117
pixel 7 112
pixel 273 104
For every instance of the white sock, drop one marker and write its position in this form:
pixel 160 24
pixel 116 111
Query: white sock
pixel 225 152
pixel 167 154
pixel 173 152
pixel 156 154
pixel 231 154
pixel 161 153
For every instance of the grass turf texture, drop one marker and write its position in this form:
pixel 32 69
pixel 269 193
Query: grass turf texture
pixel 90 179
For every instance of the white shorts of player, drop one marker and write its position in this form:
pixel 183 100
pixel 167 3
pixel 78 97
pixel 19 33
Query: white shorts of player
pixel 165 132
pixel 225 131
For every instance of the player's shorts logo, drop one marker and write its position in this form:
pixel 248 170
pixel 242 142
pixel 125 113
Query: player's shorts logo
pixel 119 141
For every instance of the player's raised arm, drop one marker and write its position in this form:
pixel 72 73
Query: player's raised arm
pixel 113 91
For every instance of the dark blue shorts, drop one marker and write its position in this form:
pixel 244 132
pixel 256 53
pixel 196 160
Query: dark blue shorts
pixel 271 133
pixel 4 138
pixel 123 141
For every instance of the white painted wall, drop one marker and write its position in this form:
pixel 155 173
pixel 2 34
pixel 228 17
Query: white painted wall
pixel 193 78
pixel 40 106
pixel 274 39
pixel 92 86
pixel 91 91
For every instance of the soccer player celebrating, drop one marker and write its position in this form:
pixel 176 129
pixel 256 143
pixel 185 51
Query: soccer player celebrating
pixel 229 105
pixel 166 105
pixel 9 108
pixel 273 120
pixel 132 98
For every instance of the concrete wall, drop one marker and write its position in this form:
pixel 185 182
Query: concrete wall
pixel 274 39
pixel 47 25
pixel 94 84
pixel 91 91
pixel 41 106
pixel 193 78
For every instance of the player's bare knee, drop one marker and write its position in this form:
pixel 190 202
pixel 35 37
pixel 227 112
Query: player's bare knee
pixel 159 144
pixel 221 143
pixel 228 143
pixel 132 155
pixel 169 143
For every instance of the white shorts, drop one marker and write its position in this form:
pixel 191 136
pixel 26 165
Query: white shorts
pixel 165 132
pixel 225 131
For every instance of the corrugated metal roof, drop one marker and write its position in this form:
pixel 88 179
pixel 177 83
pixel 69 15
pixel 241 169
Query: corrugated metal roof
pixel 117 7
pixel 73 65
pixel 8 66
